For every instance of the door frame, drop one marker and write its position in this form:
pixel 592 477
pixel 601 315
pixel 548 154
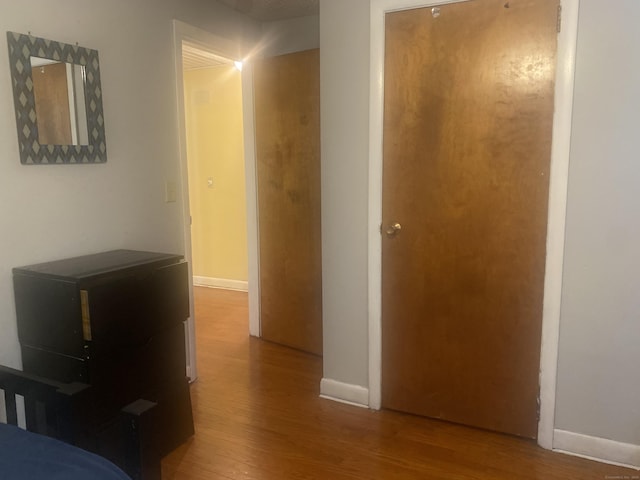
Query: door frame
pixel 226 48
pixel 558 185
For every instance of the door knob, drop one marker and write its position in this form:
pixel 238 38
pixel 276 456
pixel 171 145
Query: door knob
pixel 392 230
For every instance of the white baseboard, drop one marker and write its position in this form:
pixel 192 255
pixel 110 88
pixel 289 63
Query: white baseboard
pixel 239 285
pixel 344 393
pixel 594 448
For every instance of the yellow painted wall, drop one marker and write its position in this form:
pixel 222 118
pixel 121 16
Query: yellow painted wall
pixel 213 104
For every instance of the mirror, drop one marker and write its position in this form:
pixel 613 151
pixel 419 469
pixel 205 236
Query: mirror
pixel 58 90
pixel 58 101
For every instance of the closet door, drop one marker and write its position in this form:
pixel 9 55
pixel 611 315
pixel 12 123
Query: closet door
pixel 469 96
pixel 287 114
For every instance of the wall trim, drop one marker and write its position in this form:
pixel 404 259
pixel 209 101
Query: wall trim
pixel 595 448
pixel 344 393
pixel 210 282
pixel 556 220
pixel 251 186
pixel 558 185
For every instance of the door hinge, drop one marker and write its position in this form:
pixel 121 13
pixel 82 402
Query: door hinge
pixel 559 20
pixel 538 408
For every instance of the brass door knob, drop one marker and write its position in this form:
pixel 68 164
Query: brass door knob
pixel 392 230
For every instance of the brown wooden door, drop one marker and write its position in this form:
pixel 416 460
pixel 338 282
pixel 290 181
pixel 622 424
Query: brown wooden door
pixel 467 141
pixel 52 104
pixel 287 113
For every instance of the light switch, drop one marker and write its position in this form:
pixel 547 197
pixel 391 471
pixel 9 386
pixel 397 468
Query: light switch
pixel 209 182
pixel 170 191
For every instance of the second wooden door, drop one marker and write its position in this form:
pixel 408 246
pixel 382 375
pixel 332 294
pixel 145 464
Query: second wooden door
pixel 287 112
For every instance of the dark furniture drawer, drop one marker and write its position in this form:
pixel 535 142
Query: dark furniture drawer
pixel 98 306
pixel 113 320
pixel 136 369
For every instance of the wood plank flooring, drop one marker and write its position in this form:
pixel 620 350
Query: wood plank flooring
pixel 258 416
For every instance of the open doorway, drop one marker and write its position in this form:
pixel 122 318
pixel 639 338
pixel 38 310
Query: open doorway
pixel 217 169
pixel 289 218
pixel 216 172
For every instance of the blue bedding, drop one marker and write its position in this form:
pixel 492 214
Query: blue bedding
pixel 28 456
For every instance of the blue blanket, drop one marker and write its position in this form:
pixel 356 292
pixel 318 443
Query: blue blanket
pixel 27 456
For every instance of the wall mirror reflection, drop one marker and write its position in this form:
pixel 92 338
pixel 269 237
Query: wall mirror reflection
pixel 58 90
pixel 58 101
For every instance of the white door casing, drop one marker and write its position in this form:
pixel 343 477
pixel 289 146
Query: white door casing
pixel 227 49
pixel 567 39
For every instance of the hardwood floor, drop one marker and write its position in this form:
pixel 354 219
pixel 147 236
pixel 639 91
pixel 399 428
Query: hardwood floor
pixel 258 416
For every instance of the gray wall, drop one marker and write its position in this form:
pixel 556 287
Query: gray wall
pixel 291 35
pixel 598 382
pixel 49 212
pixel 344 96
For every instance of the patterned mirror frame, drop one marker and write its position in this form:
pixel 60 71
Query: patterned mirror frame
pixel 21 48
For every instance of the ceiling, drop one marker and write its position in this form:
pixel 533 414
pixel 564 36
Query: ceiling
pixel 269 10
pixel 194 57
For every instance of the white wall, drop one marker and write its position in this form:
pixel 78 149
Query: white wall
pixel 50 212
pixel 291 35
pixel 344 96
pixel 598 382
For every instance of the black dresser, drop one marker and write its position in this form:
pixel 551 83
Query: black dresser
pixel 113 320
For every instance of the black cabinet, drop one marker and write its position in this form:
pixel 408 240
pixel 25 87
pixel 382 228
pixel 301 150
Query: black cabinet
pixel 114 320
